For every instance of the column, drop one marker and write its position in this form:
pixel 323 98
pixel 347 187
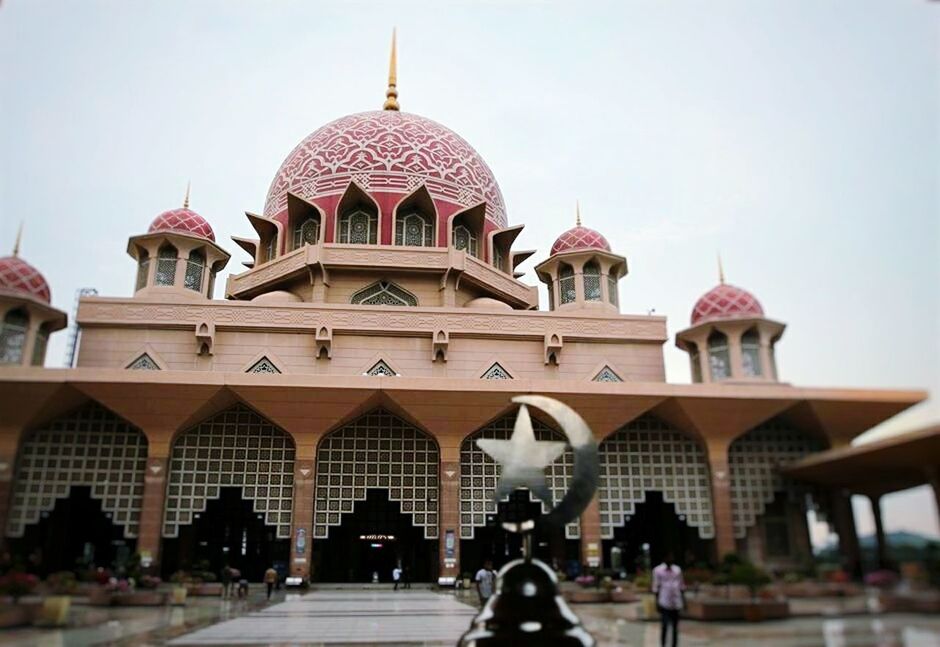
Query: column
pixel 7 461
pixel 591 547
pixel 301 540
pixel 844 522
pixel 448 513
pixel 933 477
pixel 151 512
pixel 880 543
pixel 721 497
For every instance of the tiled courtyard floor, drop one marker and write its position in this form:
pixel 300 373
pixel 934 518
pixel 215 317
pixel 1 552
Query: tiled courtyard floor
pixel 422 617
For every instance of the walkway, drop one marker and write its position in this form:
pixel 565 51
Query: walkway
pixel 328 617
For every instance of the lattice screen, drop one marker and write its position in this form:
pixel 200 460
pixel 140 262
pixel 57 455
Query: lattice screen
pixel 754 459
pixel 479 475
pixel 496 372
pixel 607 374
pixel 377 450
pixel 143 363
pixel 235 448
pixel 647 455
pixel 89 447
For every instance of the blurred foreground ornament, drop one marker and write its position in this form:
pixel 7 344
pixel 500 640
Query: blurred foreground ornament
pixel 527 608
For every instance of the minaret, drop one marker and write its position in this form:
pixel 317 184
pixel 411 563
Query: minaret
pixel 391 94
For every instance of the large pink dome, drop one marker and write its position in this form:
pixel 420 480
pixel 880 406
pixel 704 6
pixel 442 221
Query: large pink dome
pixel 386 151
pixel 16 275
pixel 726 302
pixel 183 221
pixel 580 238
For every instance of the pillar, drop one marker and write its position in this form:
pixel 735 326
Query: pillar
pixel 881 546
pixel 301 539
pixel 151 511
pixel 933 477
pixel 721 498
pixel 448 514
pixel 591 552
pixel 844 520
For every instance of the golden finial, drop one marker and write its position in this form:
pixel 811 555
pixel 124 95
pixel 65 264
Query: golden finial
pixel 721 270
pixel 391 95
pixel 577 211
pixel 186 199
pixel 19 237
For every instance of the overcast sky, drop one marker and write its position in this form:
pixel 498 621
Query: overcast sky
pixel 799 138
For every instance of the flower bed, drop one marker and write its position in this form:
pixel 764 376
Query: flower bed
pixel 139 599
pixel 752 610
pixel 205 589
pixel 16 615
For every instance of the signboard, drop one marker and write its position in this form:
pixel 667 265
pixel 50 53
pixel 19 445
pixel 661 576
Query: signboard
pixel 300 542
pixel 450 544
pixel 593 555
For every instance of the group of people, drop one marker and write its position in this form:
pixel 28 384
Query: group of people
pixel 232 576
pixel 401 575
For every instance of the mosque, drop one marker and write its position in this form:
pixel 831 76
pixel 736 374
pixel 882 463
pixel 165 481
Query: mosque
pixel 323 415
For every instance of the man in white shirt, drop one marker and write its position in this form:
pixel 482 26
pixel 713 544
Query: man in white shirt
pixel 669 589
pixel 396 576
pixel 486 581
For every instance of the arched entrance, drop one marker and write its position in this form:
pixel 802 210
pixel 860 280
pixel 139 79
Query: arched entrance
pixel 482 536
pixel 77 492
pixel 229 496
pixel 654 489
pixel 376 501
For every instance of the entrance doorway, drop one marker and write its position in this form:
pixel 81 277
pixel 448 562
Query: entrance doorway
pixel 228 532
pixel 655 524
pixel 371 541
pixel 74 534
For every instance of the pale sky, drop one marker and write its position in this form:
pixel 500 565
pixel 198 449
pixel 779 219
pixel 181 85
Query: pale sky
pixel 797 137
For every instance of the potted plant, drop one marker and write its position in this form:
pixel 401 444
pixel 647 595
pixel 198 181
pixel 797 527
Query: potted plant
pixel 62 583
pixel 15 586
pixel 465 578
pixel 746 574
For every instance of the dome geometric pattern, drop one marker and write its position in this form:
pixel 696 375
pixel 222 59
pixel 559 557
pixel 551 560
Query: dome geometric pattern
pixel 183 221
pixel 391 152
pixel 16 275
pixel 580 238
pixel 726 302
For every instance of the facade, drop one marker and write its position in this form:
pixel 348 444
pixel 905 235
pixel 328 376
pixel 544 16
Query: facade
pixel 324 413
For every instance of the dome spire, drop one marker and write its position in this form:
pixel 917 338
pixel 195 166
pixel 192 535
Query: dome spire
pixel 186 199
pixel 721 270
pixel 391 94
pixel 577 212
pixel 19 237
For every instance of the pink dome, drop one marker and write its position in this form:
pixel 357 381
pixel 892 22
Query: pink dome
pixel 182 221
pixel 390 152
pixel 580 238
pixel 16 275
pixel 726 302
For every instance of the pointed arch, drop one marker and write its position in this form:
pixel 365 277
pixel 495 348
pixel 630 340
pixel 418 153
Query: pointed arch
pixel 304 222
pixel 384 293
pixel 358 218
pixel 465 230
pixel 414 220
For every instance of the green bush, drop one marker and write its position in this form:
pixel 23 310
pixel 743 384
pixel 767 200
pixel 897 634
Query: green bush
pixel 748 575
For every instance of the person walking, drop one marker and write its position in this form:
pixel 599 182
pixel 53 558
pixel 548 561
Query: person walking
pixel 226 581
pixel 405 576
pixel 669 589
pixel 270 579
pixel 486 580
pixel 396 576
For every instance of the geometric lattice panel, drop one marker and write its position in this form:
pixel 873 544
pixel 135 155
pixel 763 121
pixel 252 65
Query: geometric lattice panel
pixel 90 447
pixel 377 450
pixel 754 460
pixel 479 475
pixel 234 448
pixel 647 454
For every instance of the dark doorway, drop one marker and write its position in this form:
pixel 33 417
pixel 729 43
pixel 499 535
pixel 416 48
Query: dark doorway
pixel 501 546
pixel 655 523
pixel 74 534
pixel 229 531
pixel 372 540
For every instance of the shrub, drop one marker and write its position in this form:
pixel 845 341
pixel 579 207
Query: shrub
pixel 883 579
pixel 16 585
pixel 181 577
pixel 149 582
pixel 792 578
pixel 695 576
pixel 642 582
pixel 62 582
pixel 585 580
pixel 749 575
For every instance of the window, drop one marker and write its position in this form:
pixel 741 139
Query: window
pixel 551 296
pixel 499 260
pixel 696 361
pixel 39 347
pixel 384 293
pixel 496 372
pixel 612 295
pixel 592 281
pixel 263 365
pixel 143 268
pixel 270 250
pixel 718 356
pixel 566 287
pixel 750 353
pixel 358 228
pixel 465 240
pixel 380 368
pixel 143 363
pixel 306 233
pixel 414 230
pixel 195 267
pixel 607 374
pixel 166 266
pixel 13 337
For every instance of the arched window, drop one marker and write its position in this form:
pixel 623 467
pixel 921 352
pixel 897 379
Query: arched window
pixel 696 361
pixel 143 268
pixel 306 233
pixel 551 296
pixel 39 347
pixel 750 353
pixel 592 281
pixel 166 266
pixel 13 337
pixel 566 287
pixel 465 240
pixel 499 259
pixel 270 250
pixel 414 229
pixel 718 360
pixel 358 227
pixel 612 295
pixel 195 267
pixel 384 293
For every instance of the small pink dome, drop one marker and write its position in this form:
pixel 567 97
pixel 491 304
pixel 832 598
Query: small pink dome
pixel 16 275
pixel 580 238
pixel 182 221
pixel 726 302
